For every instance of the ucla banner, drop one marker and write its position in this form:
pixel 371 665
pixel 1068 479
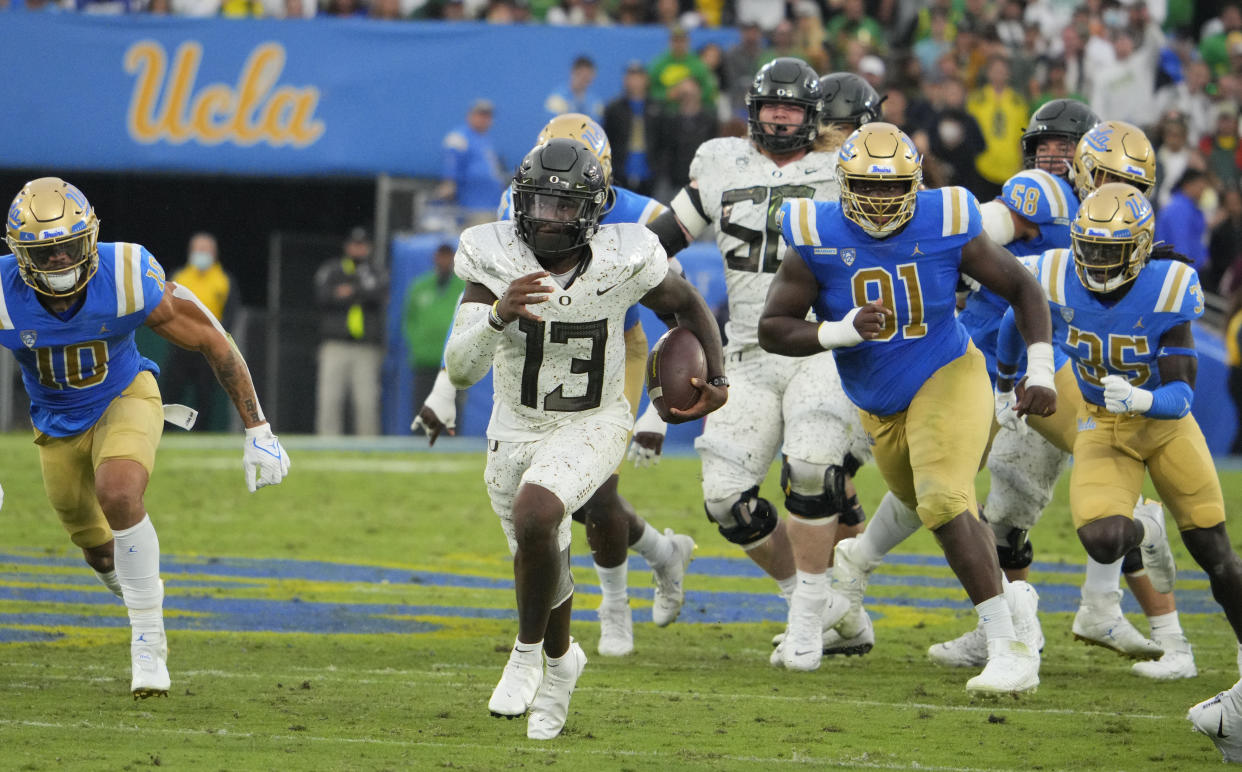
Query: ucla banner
pixel 277 97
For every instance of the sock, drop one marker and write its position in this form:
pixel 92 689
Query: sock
pixel 556 662
pixel 892 523
pixel 1165 626
pixel 811 585
pixel 787 586
pixel 137 558
pixel 109 580
pixel 1102 578
pixel 527 653
pixel 655 547
pixel 996 619
pixel 612 583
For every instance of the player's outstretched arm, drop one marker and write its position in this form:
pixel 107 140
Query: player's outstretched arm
pixel 998 270
pixel 675 295
pixel 183 320
pixel 783 326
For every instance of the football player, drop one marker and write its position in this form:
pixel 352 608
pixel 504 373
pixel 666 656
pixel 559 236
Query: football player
pixel 1125 323
pixel 546 294
pixel 69 306
pixel 613 526
pixel 779 405
pixel 881 269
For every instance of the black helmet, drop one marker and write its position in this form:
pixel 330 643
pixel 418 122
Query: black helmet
pixel 1066 118
pixel 849 98
pixel 787 81
pixel 559 184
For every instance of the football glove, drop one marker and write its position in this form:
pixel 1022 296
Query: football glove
pixel 1121 397
pixel 1006 414
pixel 648 423
pixel 263 458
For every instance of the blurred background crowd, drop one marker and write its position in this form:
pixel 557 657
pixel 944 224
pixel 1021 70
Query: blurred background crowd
pixel 961 77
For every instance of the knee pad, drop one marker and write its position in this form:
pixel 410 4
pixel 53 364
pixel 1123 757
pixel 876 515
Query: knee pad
pixel 743 518
pixel 813 491
pixel 1013 549
pixel 853 513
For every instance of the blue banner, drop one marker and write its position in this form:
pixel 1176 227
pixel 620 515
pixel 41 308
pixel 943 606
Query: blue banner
pixel 276 97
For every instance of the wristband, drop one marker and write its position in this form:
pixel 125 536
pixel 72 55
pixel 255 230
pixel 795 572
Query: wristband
pixel 1039 371
pixel 494 319
pixel 840 334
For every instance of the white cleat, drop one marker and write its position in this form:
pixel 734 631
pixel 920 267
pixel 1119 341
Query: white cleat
pixel 518 684
pixel 1157 556
pixel 670 595
pixel 777 657
pixel 849 572
pixel 1024 606
pixel 1099 622
pixel 149 661
pixel 970 649
pixel 1013 668
pixel 803 646
pixel 616 629
pixel 1178 661
pixel 551 706
pixel 1220 718
pixel 853 635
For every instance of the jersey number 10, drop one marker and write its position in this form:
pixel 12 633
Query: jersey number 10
pixel 78 366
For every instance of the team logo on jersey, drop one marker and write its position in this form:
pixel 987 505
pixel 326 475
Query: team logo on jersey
pixel 1085 424
pixel 1067 314
pixel 847 255
pixel 29 337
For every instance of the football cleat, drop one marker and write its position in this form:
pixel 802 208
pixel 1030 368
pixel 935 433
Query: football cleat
pixel 551 706
pixel 1099 622
pixel 670 595
pixel 853 635
pixel 1013 668
pixel 1178 661
pixel 803 646
pixel 1024 606
pixel 1220 718
pixel 616 629
pixel 518 684
pixel 970 649
pixel 149 661
pixel 849 572
pixel 1157 556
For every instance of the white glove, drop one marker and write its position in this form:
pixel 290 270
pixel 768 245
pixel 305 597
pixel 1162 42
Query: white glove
pixel 650 423
pixel 263 458
pixel 442 401
pixel 1006 415
pixel 1121 397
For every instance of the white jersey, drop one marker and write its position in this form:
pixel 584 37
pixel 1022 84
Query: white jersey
pixel 741 191
pixel 572 362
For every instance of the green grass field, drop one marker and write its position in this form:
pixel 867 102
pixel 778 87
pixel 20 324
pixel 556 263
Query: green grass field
pixel 358 616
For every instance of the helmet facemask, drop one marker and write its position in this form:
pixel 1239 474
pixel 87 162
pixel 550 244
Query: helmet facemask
pixel 53 232
pixel 554 223
pixel 880 205
pixel 1106 264
pixel 1112 237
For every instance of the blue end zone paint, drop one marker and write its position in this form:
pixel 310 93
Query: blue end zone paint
pixel 218 612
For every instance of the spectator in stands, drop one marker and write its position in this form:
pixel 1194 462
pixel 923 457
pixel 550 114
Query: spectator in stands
pixel 1181 222
pixel 1002 115
pixel 1124 90
pixel 1220 147
pixel 430 302
pixel 1173 156
pixel 576 96
pixel 186 376
pixel 472 175
pixel 853 23
pixel 631 123
pixel 1190 98
pixel 1053 85
pixel 809 35
pixel 741 62
pixel 350 292
pixel 781 42
pixel 1225 246
pixel 938 40
pixel 578 13
pixel 872 70
pixel 682 129
pixel 386 10
pixel 1214 47
pixel 675 65
pixel 712 56
pixel 957 141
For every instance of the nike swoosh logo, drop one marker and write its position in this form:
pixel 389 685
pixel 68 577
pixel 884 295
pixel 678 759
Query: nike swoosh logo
pixel 804 653
pixel 607 289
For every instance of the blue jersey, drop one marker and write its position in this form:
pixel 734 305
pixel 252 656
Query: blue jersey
pixel 913 273
pixel 1050 203
pixel 628 206
pixel 74 367
pixel 1122 338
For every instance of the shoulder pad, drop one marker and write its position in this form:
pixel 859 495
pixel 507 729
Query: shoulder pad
pixel 1038 196
pixel 798 221
pixel 720 153
pixel 1180 293
pixel 1050 270
pixel 959 212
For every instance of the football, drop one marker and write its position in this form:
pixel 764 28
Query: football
pixel 676 358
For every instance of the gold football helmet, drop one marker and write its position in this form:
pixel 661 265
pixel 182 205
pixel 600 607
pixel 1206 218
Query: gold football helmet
pixel 580 128
pixel 879 170
pixel 50 217
pixel 1112 236
pixel 1114 151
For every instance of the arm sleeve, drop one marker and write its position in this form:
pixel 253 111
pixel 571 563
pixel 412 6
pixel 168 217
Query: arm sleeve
pixel 1171 400
pixel 471 345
